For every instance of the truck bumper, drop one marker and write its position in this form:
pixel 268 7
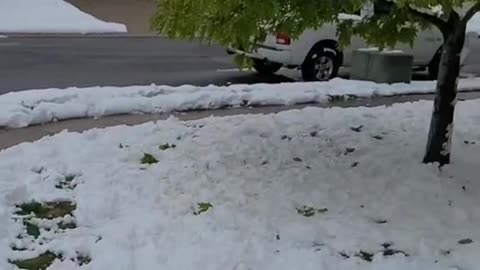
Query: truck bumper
pixel 269 54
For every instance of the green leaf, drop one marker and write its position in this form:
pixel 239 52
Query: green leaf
pixel 148 159
pixel 202 208
pixel 166 146
pixel 244 23
pixel 308 211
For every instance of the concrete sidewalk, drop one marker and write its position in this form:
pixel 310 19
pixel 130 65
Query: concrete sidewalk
pixel 11 137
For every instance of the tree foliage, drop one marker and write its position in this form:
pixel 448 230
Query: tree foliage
pixel 242 23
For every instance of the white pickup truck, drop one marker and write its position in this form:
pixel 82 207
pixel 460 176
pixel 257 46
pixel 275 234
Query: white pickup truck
pixel 317 54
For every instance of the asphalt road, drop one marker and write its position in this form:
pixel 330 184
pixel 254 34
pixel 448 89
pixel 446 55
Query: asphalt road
pixel 43 62
pixel 37 62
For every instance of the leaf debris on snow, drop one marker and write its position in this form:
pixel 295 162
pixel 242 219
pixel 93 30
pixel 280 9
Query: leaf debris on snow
pixel 364 255
pixel 349 150
pixel 308 211
pixel 162 204
pixel 357 128
pixel 465 241
pixel 297 159
pixel 148 159
pixel 166 146
pixel 380 221
pixel 202 208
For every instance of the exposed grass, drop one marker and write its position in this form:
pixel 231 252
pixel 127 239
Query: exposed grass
pixel 40 262
pixel 32 229
pixel 67 183
pixel 47 210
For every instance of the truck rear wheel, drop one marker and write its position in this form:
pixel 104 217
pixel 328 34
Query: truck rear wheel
pixel 321 64
pixel 266 68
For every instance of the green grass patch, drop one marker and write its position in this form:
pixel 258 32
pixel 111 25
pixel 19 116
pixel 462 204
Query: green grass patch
pixel 49 210
pixel 31 229
pixel 40 262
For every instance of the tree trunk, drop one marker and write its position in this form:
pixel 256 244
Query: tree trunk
pixel 441 126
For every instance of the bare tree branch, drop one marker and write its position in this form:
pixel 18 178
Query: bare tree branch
pixel 472 11
pixel 438 22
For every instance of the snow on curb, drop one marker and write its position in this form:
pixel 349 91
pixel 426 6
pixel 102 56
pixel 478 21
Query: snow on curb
pixel 304 189
pixel 50 16
pixel 21 109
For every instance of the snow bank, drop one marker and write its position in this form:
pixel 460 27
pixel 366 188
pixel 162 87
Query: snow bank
pixel 21 109
pixel 258 172
pixel 50 16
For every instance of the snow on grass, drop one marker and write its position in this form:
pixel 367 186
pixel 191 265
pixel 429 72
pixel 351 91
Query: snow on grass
pixel 305 189
pixel 50 16
pixel 20 109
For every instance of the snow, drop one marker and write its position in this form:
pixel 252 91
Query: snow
pixel 372 49
pixel 255 171
pixel 345 16
pixel 50 16
pixel 21 109
pixel 392 52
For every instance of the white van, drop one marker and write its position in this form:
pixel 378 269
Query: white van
pixel 317 54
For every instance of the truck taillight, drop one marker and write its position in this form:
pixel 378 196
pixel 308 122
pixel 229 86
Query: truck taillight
pixel 283 39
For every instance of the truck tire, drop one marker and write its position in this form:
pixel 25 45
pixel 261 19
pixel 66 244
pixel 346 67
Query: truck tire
pixel 321 64
pixel 266 68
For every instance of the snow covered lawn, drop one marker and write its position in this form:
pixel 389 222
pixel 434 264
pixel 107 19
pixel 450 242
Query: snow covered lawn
pixel 308 189
pixel 20 109
pixel 50 16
